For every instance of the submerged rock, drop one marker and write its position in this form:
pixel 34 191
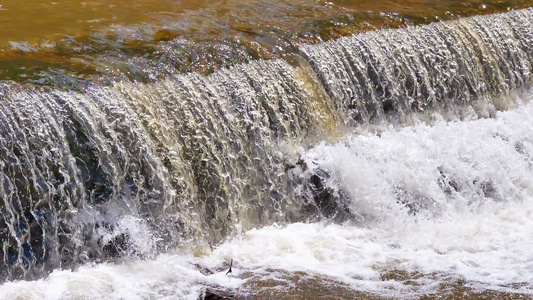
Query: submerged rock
pixel 216 294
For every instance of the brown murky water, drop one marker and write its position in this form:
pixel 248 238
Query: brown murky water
pixel 56 42
pixel 36 20
pixel 302 286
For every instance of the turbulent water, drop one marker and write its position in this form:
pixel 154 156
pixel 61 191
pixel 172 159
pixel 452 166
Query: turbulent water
pixel 361 163
pixel 473 183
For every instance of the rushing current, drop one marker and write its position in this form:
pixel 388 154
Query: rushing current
pixel 387 162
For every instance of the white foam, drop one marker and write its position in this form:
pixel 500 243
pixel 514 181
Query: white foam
pixel 167 277
pixel 479 229
pixel 491 249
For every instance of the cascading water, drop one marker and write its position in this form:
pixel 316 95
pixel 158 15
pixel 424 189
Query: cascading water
pixel 140 169
pixel 456 68
pixel 189 154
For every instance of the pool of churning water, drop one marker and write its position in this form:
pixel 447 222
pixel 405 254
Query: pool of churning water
pixel 472 241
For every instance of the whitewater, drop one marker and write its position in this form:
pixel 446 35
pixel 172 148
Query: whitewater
pixel 465 214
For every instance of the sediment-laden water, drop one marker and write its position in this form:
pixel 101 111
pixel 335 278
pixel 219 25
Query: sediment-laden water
pixel 392 163
pixel 72 43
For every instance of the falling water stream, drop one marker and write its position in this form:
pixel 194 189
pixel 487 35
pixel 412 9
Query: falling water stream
pixel 390 163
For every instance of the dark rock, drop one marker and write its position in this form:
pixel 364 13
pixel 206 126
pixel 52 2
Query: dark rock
pixel 216 294
pixel 117 246
pixel 326 200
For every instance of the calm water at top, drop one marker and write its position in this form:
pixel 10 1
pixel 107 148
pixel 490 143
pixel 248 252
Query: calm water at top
pixel 38 20
pixel 41 40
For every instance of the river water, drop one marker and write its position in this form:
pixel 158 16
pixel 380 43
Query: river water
pixel 344 149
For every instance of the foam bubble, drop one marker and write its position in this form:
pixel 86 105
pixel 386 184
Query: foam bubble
pixel 453 201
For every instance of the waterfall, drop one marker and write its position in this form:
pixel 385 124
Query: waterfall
pixel 457 69
pixel 192 157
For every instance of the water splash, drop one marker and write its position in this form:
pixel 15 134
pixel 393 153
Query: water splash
pixel 194 156
pixel 466 235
